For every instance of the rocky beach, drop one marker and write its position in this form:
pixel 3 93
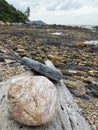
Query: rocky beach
pixel 67 48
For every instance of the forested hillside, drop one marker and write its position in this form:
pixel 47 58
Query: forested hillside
pixel 9 14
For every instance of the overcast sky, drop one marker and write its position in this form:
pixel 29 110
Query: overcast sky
pixel 83 12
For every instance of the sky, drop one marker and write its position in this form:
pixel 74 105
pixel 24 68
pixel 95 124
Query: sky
pixel 64 12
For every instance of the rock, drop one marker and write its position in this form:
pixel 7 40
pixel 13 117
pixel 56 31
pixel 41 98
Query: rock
pixel 92 86
pixel 0 80
pixel 86 96
pixel 80 68
pixel 83 96
pixel 32 100
pixel 96 65
pixel 9 41
pixel 87 81
pixel 76 94
pixel 79 74
pixel 53 74
pixel 92 89
pixel 95 93
pixel 8 61
pixel 8 23
pixel 93 73
pixel 66 73
pixel 2 23
pixel 20 50
pixel 2 59
pixel 73 84
pixel 72 71
pixel 55 58
pixel 81 44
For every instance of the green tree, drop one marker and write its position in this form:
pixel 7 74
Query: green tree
pixel 9 14
pixel 27 13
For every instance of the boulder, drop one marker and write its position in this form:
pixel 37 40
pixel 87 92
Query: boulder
pixel 32 100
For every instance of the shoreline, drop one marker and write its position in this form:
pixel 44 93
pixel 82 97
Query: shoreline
pixel 78 62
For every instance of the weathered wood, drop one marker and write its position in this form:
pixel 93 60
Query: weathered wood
pixel 68 117
pixel 47 71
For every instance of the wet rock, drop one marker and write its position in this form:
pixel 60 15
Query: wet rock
pixel 65 72
pixel 86 96
pixel 93 89
pixel 79 74
pixel 96 65
pixel 95 93
pixel 76 94
pixel 80 68
pixel 2 59
pixel 92 86
pixel 87 81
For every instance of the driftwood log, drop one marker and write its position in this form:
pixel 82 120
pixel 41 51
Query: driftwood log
pixel 68 117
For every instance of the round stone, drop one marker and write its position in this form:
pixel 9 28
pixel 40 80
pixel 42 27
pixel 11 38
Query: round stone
pixel 32 100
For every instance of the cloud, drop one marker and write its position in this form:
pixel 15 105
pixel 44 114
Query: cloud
pixel 60 11
pixel 66 5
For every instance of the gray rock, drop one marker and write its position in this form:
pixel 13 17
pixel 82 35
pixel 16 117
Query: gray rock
pixel 2 59
pixel 47 71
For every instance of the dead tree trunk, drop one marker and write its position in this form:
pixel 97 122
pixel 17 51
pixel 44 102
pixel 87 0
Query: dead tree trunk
pixel 68 117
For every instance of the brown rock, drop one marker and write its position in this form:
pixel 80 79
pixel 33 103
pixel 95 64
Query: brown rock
pixel 81 44
pixel 55 58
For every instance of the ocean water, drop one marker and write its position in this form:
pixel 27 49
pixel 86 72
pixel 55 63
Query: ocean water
pixel 92 27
